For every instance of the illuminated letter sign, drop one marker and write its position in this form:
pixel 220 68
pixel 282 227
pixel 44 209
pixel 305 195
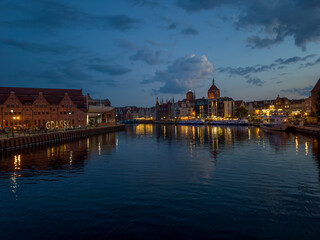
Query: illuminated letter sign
pixel 63 124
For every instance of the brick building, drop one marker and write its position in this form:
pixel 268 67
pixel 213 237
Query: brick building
pixel 33 107
pixel 314 97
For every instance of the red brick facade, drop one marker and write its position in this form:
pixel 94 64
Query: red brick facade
pixel 31 107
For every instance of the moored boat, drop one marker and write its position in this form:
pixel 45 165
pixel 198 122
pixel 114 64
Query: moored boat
pixel 229 122
pixel 276 123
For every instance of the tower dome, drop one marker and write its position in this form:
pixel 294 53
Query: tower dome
pixel 213 91
pixel 190 95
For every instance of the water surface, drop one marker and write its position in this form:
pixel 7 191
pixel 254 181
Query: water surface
pixel 165 182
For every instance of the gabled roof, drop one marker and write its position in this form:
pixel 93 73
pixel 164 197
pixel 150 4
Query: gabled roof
pixel 35 91
pixel 27 96
pixel 316 87
pixel 213 88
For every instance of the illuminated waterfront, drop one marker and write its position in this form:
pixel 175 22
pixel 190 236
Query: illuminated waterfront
pixel 165 181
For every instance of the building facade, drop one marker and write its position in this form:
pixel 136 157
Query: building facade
pixel 34 107
pixel 314 97
pixel 213 91
pixel 201 108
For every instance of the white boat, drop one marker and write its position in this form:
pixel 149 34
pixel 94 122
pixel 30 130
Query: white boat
pixel 192 122
pixel 276 122
pixel 229 122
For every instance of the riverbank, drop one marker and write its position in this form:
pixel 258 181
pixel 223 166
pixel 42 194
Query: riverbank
pixel 309 130
pixel 55 137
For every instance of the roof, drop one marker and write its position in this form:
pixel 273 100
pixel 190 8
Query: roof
pixel 35 91
pixel 316 87
pixel 53 96
pixel 297 101
pixel 213 88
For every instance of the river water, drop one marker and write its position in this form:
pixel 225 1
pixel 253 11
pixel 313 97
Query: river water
pixel 164 182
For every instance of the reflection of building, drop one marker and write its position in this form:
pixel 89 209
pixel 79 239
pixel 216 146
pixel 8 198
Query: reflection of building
pixel 31 107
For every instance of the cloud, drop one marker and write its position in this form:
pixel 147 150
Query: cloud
pixel 189 31
pixel 274 21
pixel 126 44
pixel 183 74
pixel 198 5
pixel 157 44
pixel 255 81
pixel 295 59
pixel 113 70
pixel 41 48
pixel 65 72
pixel 147 56
pixel 172 26
pixel 148 3
pixel 279 63
pixel 301 91
pixel 310 64
pixel 118 22
pixel 50 15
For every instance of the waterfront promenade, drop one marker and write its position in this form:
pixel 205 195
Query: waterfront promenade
pixel 32 139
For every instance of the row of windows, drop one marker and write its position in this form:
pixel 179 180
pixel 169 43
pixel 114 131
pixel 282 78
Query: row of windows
pixel 13 105
pixel 45 105
pixel 38 105
pixel 12 113
pixel 35 113
pixel 39 113
pixel 67 105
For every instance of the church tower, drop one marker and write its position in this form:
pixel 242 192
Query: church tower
pixel 213 91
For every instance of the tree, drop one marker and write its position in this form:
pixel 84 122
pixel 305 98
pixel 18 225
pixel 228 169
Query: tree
pixel 241 112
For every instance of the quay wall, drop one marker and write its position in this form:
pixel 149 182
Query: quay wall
pixel 54 137
pixel 307 130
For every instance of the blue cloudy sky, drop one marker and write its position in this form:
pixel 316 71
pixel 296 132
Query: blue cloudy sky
pixel 131 51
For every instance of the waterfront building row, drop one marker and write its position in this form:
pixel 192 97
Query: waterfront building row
pixel 34 107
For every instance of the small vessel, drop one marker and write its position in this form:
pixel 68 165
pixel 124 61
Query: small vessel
pixel 276 122
pixel 192 122
pixel 237 122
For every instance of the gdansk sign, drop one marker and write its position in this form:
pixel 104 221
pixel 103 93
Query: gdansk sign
pixel 62 124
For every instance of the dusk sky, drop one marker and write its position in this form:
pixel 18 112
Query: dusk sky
pixel 132 51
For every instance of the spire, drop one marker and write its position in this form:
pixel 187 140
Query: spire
pixel 157 102
pixel 213 81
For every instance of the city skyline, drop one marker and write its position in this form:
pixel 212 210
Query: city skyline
pixel 133 51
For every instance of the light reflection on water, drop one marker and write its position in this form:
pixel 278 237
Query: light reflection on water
pixel 165 181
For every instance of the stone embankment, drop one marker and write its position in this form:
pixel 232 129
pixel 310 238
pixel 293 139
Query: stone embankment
pixel 54 137
pixel 307 130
